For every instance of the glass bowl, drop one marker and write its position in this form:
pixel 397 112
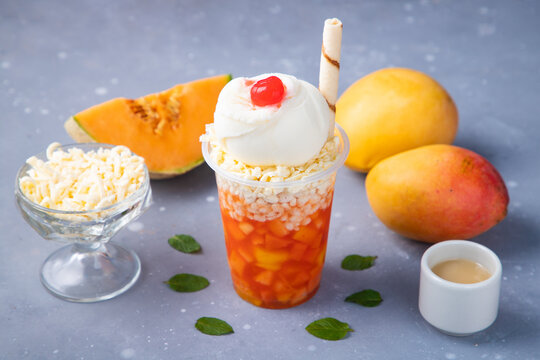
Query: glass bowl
pixel 90 268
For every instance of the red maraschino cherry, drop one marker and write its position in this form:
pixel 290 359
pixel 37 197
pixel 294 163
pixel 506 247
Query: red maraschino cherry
pixel 269 91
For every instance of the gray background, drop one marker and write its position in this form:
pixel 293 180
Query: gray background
pixel 59 57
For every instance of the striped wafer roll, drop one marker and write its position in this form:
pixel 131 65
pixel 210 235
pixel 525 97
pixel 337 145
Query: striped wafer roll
pixel 329 70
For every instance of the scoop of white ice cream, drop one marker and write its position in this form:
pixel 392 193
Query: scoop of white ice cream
pixel 289 133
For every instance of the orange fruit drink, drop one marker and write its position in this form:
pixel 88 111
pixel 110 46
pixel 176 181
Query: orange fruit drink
pixel 276 232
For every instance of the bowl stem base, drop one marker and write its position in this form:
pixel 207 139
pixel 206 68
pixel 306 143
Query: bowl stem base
pixel 90 273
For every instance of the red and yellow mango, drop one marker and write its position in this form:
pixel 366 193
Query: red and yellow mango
pixel 437 192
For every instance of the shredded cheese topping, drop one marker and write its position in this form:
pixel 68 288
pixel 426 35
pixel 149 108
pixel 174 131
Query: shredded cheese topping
pixel 75 180
pixel 292 205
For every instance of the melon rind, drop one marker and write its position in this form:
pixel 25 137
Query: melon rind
pixel 77 133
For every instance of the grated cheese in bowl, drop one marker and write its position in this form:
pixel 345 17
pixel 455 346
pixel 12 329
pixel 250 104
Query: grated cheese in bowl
pixel 75 180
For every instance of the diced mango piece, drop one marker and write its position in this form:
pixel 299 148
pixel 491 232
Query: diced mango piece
pixel 246 293
pixel 268 297
pixel 284 297
pixel 251 299
pixel 283 292
pixel 311 255
pixel 315 271
pixel 269 266
pixel 308 235
pixel 234 231
pixel 257 239
pixel 237 263
pixel 246 228
pixel 272 242
pixel 265 277
pixel 319 260
pixel 281 286
pixel 317 241
pixel 314 281
pixel 299 295
pixel 246 254
pixel 240 283
pixel 319 223
pixel 290 271
pixel 297 251
pixel 300 278
pixel 277 228
pixel 270 257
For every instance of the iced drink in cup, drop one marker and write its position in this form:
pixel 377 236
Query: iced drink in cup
pixel 275 151
pixel 276 231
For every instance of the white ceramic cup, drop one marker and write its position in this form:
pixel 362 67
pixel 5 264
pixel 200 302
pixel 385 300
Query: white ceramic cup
pixel 454 308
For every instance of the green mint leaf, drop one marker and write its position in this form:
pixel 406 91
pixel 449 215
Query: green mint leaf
pixel 357 262
pixel 184 243
pixel 187 283
pixel 369 298
pixel 328 329
pixel 213 326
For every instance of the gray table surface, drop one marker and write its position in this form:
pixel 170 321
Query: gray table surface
pixel 59 57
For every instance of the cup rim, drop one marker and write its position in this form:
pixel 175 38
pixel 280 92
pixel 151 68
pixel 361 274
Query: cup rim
pixel 85 147
pixel 340 160
pixel 426 270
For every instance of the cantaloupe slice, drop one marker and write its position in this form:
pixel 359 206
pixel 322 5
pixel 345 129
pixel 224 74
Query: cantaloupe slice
pixel 163 128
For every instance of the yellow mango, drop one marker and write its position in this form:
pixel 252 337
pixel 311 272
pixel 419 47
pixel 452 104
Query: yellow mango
pixel 246 228
pixel 270 260
pixel 277 228
pixel 283 297
pixel 272 242
pixel 309 236
pixel 236 263
pixel 264 277
pixel 437 192
pixel 246 254
pixel 234 231
pixel 393 110
pixel 269 266
pixel 243 289
pixel 299 279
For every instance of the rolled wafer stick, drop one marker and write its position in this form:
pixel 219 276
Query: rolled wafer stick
pixel 329 70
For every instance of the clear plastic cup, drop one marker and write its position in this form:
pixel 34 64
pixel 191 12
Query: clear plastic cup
pixel 276 232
